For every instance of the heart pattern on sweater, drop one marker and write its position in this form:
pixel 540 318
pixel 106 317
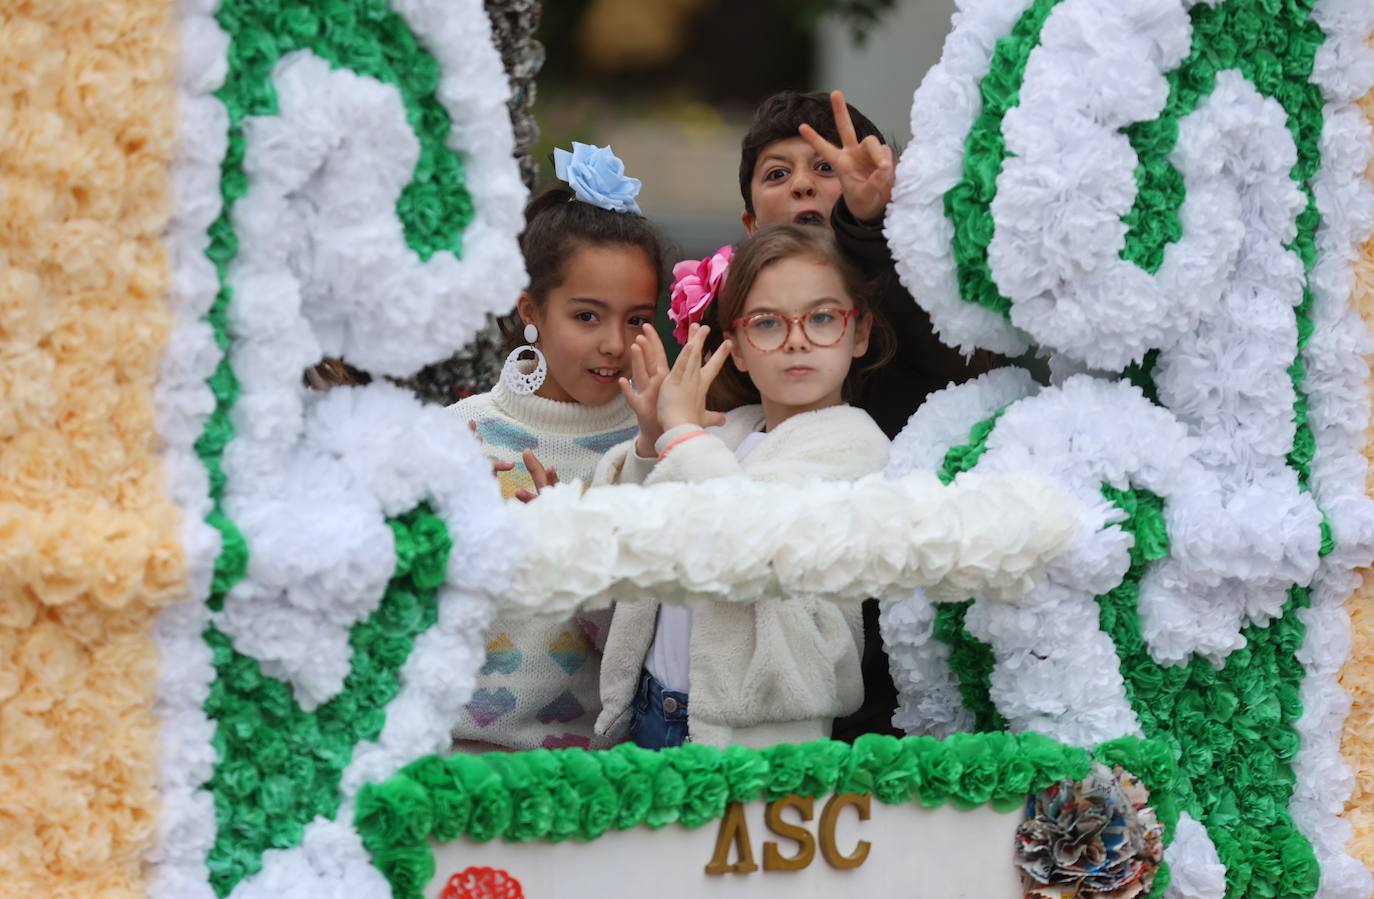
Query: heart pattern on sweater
pixel 566 741
pixel 502 656
pixel 563 709
pixel 489 706
pixel 570 651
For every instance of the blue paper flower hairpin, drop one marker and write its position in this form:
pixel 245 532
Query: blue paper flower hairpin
pixel 597 176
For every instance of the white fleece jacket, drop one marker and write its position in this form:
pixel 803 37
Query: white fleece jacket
pixel 771 672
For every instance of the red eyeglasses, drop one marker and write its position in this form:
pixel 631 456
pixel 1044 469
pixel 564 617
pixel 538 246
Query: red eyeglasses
pixel 769 331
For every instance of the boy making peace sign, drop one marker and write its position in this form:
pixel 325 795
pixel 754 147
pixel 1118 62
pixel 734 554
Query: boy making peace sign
pixel 813 159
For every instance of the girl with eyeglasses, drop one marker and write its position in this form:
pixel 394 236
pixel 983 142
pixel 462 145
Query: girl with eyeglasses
pixel 768 403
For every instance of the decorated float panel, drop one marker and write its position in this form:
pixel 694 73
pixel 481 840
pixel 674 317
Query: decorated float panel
pixel 239 618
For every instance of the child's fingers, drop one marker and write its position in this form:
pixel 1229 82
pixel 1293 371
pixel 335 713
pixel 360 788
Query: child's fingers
pixel 551 476
pixel 716 362
pixel 697 347
pixel 824 148
pixel 714 420
pixel 884 154
pixel 536 469
pixel 653 364
pixel 843 123
pixel 631 395
pixel 472 426
pixel 639 368
pixel 878 154
pixel 525 496
pixel 689 360
pixel 497 466
pixel 657 355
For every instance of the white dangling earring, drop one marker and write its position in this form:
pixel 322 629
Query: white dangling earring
pixel 514 377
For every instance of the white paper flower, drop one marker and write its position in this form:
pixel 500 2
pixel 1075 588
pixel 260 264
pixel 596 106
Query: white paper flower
pixel 992 535
pixel 309 487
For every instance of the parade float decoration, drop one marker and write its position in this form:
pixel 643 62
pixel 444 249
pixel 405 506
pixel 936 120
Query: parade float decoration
pixel 238 618
pixel 1171 201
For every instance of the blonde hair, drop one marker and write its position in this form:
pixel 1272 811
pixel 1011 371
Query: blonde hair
pixel 733 388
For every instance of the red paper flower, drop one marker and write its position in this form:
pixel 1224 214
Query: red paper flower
pixel 482 883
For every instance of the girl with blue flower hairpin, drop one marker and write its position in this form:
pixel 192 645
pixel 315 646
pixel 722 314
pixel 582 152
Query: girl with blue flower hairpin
pixel 596 268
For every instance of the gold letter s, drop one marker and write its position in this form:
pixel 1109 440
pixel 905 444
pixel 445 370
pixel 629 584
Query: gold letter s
pixel 773 860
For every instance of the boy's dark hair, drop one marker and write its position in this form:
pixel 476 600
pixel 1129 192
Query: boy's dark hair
pixel 557 224
pixel 779 117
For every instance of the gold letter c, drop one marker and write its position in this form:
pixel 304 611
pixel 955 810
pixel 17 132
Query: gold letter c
pixel 831 853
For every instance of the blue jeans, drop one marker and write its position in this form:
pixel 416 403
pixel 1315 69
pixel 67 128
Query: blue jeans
pixel 660 716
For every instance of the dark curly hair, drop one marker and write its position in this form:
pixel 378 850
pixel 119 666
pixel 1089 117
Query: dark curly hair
pixel 779 117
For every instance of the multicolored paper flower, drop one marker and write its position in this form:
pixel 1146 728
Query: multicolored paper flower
pixel 1097 836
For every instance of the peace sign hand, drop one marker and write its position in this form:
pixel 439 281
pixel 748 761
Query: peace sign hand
pixel 682 396
pixel 865 168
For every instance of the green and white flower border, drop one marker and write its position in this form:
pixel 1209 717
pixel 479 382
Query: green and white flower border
pixel 419 454
pixel 1335 387
pixel 576 794
pixel 474 88
pixel 287 494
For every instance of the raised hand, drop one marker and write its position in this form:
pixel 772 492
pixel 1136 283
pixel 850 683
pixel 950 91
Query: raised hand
pixel 865 168
pixel 649 368
pixel 682 395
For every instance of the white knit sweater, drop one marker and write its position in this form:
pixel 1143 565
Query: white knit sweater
pixel 569 436
pixel 539 686
pixel 778 670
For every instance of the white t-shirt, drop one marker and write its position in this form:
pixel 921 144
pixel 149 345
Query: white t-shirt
pixel 670 655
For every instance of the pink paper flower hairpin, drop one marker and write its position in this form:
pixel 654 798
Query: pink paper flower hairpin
pixel 695 284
